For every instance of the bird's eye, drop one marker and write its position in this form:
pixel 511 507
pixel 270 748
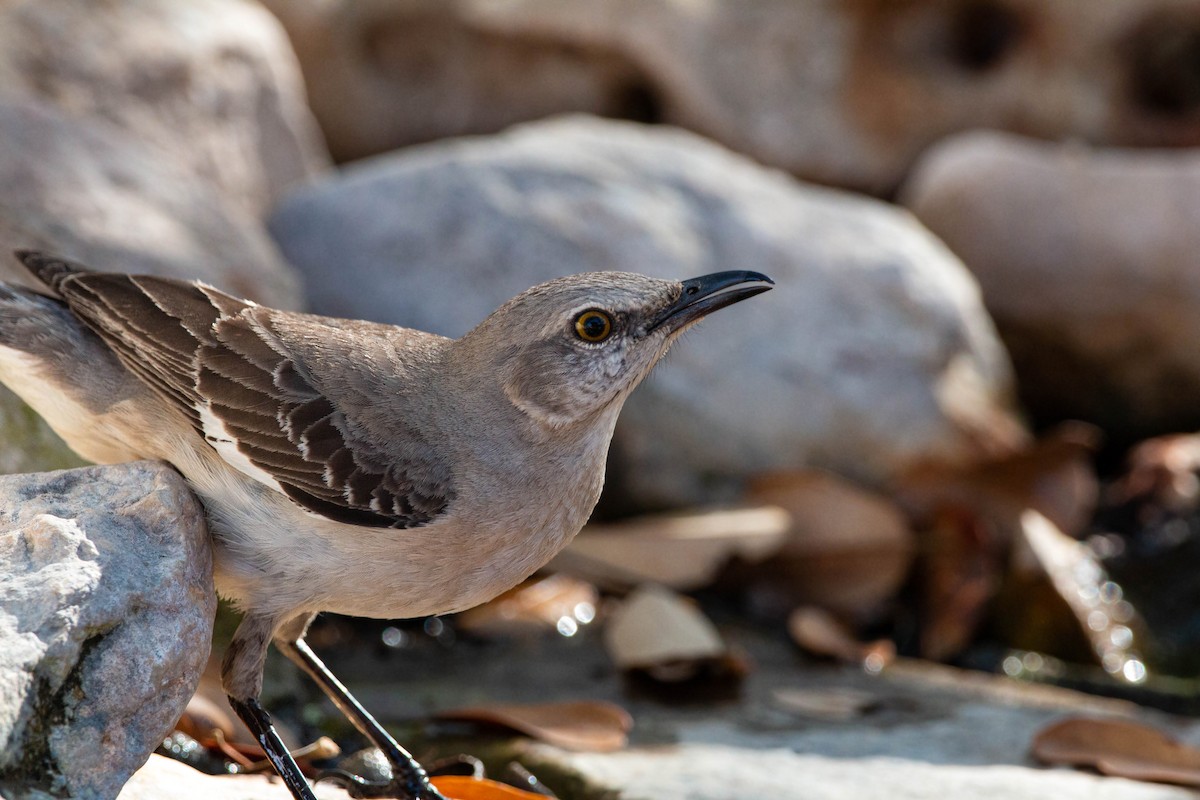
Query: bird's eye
pixel 593 326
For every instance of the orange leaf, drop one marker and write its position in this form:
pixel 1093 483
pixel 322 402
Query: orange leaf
pixel 458 787
pixel 585 725
pixel 822 634
pixel 1119 748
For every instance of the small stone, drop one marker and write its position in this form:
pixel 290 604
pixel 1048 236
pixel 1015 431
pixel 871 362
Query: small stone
pixel 106 615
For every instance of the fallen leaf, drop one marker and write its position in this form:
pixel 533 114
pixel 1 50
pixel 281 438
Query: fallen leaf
pixel 847 549
pixel 970 517
pixel 1119 748
pixel 1162 471
pixel 958 576
pixel 203 716
pixel 655 626
pixel 553 603
pixel 1053 476
pixel 588 725
pixel 681 551
pixel 822 634
pixel 457 787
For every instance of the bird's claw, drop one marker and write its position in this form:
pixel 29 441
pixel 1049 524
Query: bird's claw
pixel 385 784
pixel 359 787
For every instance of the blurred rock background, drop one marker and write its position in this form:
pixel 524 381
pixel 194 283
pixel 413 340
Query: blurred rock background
pixel 972 394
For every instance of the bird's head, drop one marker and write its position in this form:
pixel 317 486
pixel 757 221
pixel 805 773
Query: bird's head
pixel 572 347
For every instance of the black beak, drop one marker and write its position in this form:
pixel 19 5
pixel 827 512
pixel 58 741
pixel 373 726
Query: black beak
pixel 704 295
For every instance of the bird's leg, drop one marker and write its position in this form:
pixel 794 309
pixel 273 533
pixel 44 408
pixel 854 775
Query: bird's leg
pixel 408 776
pixel 241 674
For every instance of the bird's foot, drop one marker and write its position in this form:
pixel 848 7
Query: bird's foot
pixel 370 775
pixel 359 787
pixel 356 785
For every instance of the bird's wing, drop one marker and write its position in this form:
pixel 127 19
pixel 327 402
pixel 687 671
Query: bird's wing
pixel 222 363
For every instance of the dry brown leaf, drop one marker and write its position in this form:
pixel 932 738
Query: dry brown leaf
pixel 822 634
pixel 1163 471
pixel 655 626
pixel 458 787
pixel 973 517
pixel 848 549
pixel 1053 476
pixel 538 605
pixel 202 716
pixel 681 551
pixel 1119 748
pixel 959 573
pixel 586 725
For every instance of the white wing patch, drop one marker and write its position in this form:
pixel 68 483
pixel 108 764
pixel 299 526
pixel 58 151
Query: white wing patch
pixel 225 443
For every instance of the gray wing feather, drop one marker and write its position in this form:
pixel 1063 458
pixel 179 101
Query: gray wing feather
pixel 202 350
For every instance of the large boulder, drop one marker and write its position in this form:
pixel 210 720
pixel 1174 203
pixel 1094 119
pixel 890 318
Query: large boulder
pixel 214 87
pixel 1088 262
pixel 84 189
pixel 842 93
pixel 106 614
pixel 872 353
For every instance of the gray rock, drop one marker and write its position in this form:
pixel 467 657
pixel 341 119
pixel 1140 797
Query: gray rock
pixel 214 87
pixel 106 614
pixel 872 353
pixel 1086 258
pixel 84 189
pixel 843 93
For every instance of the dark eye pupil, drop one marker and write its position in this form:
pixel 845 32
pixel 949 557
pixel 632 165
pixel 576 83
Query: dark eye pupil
pixel 593 326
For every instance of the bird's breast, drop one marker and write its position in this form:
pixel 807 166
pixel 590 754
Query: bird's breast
pixel 505 523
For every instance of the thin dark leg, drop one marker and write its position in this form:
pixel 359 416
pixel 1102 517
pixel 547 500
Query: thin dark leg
pixel 259 723
pixel 407 775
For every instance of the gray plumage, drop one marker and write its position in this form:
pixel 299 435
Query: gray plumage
pixel 350 466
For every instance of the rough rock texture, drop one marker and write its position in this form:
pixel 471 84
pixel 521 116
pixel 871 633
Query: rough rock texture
pixel 214 86
pixel 846 93
pixel 106 613
pixel 868 304
pixel 1087 261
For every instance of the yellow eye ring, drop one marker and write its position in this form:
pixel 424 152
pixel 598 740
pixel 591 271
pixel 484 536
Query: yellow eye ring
pixel 593 326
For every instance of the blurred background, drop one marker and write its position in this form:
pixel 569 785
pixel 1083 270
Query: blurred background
pixel 960 430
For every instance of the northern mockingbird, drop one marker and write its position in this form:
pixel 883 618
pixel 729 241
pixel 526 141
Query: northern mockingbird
pixel 350 466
